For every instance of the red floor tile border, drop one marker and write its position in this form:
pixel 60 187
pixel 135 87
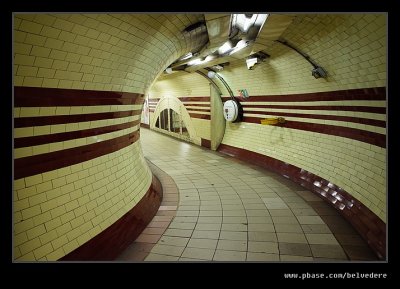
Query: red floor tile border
pixel 112 241
pixel 367 224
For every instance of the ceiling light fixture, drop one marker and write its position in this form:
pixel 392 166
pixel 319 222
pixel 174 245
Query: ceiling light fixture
pixel 244 21
pixel 255 58
pixel 187 56
pixel 208 58
pixel 225 47
pixel 251 62
pixel 239 46
pixel 195 61
pixel 218 67
pixel 198 61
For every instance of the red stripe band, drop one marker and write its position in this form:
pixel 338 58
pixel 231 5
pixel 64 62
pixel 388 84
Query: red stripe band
pixel 47 97
pixel 352 133
pixel 28 166
pixel 64 136
pixel 367 121
pixel 73 118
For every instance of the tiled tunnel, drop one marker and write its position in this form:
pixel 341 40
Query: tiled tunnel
pixel 124 149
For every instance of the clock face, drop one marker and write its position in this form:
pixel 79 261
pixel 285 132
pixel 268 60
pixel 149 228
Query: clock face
pixel 230 110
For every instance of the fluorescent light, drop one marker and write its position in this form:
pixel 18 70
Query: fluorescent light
pixel 211 74
pixel 218 67
pixel 195 61
pixel 249 22
pixel 251 62
pixel 239 46
pixel 208 58
pixel 225 47
pixel 198 61
pixel 244 23
pixel 187 56
pixel 260 20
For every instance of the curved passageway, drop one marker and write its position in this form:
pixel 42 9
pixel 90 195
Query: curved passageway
pixel 232 211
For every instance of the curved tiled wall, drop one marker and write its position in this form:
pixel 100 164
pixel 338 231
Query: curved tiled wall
pixel 336 127
pixel 335 130
pixel 79 85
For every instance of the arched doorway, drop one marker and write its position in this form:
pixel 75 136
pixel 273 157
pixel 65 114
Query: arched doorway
pixel 171 117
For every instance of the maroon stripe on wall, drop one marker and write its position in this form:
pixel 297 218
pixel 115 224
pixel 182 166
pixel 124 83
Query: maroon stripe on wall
pixel 61 119
pixel 28 166
pixel 39 96
pixel 369 225
pixel 107 245
pixel 64 136
pixel 375 93
pixel 197 105
pixel 200 98
pixel 205 143
pixel 370 109
pixel 201 116
pixel 367 121
pixel 145 125
pixel 347 132
pixel 198 109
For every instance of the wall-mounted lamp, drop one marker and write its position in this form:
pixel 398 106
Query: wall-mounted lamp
pixel 218 67
pixel 211 74
pixel 251 62
pixel 255 58
pixel 317 71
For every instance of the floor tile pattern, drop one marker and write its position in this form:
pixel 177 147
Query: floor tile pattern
pixel 217 208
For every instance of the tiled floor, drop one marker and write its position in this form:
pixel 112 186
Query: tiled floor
pixel 216 208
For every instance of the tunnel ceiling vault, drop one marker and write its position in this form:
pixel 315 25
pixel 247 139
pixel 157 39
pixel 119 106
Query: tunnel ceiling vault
pixel 222 34
pixel 113 52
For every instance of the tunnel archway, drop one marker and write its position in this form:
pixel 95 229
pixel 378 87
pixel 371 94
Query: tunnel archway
pixel 79 84
pixel 161 119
